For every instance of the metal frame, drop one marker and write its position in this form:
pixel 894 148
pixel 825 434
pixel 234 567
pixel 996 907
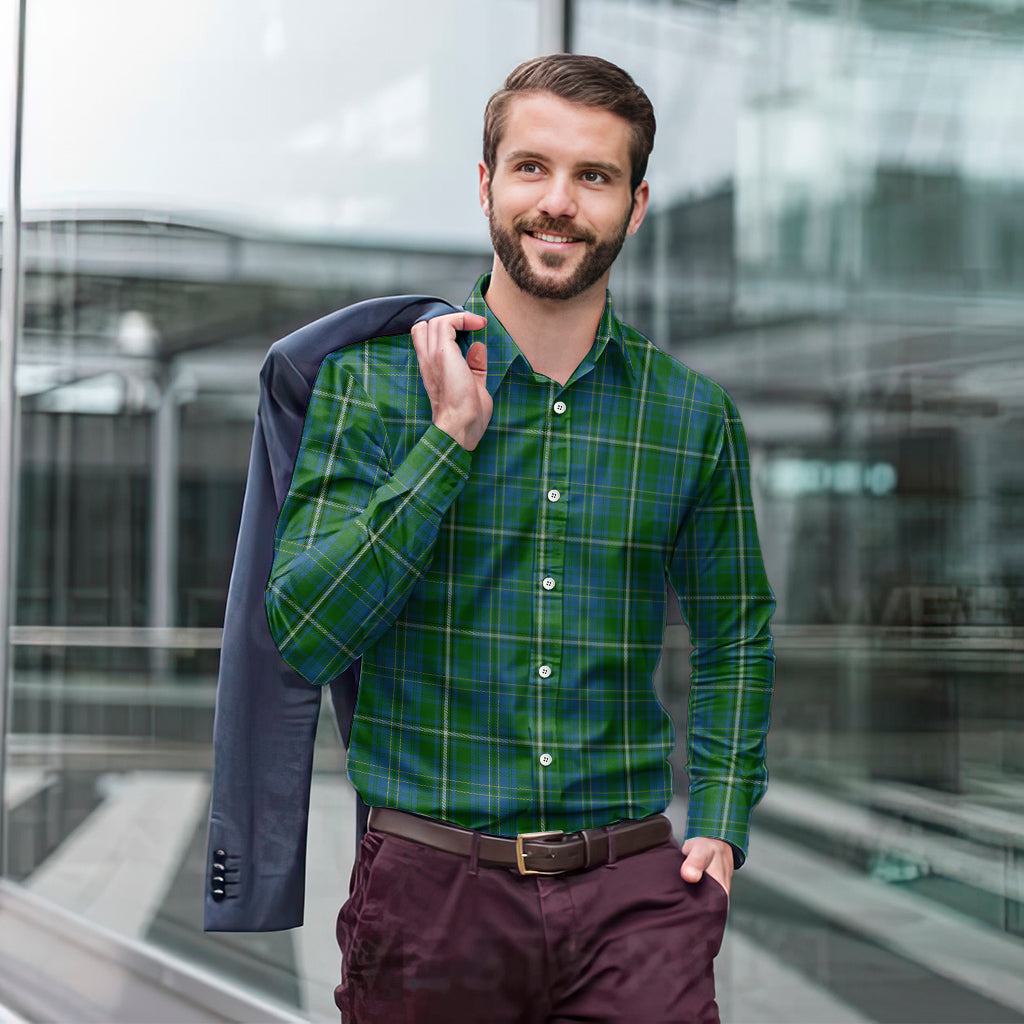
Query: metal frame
pixel 10 325
pixel 554 26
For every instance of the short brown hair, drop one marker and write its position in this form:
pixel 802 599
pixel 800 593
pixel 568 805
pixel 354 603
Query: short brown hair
pixel 577 78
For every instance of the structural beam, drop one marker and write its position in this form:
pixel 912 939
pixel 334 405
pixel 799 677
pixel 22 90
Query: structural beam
pixel 10 320
pixel 554 29
pixel 163 548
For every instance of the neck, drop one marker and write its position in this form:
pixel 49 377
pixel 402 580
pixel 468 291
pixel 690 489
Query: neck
pixel 553 334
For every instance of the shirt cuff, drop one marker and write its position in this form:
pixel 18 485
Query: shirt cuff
pixel 433 472
pixel 719 811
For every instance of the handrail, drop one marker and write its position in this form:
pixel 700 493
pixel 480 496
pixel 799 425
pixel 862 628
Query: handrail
pixel 53 962
pixel 168 637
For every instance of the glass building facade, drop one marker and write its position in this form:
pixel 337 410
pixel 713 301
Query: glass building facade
pixel 836 235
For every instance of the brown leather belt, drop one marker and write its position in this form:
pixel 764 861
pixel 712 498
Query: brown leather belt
pixel 530 853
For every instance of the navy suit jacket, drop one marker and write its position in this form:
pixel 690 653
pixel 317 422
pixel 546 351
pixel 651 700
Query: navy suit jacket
pixel 266 713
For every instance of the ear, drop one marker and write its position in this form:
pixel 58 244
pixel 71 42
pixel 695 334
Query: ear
pixel 485 182
pixel 640 199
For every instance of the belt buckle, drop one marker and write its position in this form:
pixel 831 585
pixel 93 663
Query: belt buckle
pixel 520 856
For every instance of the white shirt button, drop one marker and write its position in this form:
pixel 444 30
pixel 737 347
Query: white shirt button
pixel 545 759
pixel 554 495
pixel 559 407
pixel 548 583
pixel 544 671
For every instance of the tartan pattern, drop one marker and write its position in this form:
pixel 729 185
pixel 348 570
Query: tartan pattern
pixel 429 562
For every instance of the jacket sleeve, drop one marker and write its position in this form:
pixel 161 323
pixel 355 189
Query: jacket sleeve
pixel 355 531
pixel 724 595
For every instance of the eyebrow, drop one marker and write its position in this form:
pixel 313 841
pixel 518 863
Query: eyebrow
pixel 613 171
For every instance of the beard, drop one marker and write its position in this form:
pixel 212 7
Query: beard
pixel 598 257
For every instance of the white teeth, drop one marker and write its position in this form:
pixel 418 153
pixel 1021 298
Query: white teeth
pixel 551 238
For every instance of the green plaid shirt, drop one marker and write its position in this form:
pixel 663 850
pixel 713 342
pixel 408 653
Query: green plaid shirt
pixel 509 603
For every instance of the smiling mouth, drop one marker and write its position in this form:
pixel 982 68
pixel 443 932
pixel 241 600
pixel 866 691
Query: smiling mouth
pixel 546 237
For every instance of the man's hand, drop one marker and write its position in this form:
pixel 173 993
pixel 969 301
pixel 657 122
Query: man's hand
pixel 711 855
pixel 457 386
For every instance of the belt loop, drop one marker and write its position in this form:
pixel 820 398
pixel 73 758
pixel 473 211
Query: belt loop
pixel 474 853
pixel 585 834
pixel 611 846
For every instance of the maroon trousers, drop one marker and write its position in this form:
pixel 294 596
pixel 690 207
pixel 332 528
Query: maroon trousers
pixel 432 938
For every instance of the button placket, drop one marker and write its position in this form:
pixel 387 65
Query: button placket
pixel 550 563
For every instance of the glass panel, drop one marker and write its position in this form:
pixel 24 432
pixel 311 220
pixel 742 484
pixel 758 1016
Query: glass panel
pixel 201 178
pixel 836 236
pixel 8 55
pixel 8 26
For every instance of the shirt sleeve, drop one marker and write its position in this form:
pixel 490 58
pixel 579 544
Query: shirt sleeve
pixel 355 532
pixel 718 575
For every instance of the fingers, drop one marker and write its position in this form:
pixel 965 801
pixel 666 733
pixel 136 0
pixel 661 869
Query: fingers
pixel 472 322
pixel 431 338
pixel 456 386
pixel 447 325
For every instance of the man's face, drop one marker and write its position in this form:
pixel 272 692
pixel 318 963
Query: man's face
pixel 559 203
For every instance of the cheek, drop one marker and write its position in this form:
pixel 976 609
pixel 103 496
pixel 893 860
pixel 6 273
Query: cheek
pixel 514 198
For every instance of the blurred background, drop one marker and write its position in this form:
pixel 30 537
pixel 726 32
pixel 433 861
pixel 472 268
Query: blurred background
pixel 836 235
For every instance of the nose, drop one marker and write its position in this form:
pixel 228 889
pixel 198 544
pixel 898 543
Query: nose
pixel 559 199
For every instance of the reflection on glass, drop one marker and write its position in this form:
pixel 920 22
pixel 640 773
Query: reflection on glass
pixel 200 179
pixel 854 278
pixel 8 26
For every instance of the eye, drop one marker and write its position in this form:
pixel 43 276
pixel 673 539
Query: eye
pixel 529 167
pixel 594 177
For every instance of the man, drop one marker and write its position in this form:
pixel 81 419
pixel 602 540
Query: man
pixel 491 529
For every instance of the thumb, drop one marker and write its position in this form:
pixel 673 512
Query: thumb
pixel 694 864
pixel 477 357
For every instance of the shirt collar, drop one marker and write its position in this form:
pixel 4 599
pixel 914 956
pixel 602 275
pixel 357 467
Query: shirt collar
pixel 502 351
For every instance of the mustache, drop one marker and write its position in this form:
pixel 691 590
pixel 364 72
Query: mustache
pixel 552 226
